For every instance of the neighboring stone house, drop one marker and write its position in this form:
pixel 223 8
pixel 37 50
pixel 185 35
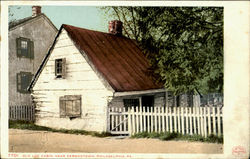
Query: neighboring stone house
pixel 29 40
pixel 87 71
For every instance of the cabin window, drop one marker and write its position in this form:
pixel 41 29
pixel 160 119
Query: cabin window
pixel 131 103
pixel 146 101
pixel 23 81
pixel 60 68
pixel 70 106
pixel 25 48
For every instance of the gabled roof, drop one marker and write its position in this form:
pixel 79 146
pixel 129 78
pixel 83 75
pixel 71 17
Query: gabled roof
pixel 117 58
pixel 23 21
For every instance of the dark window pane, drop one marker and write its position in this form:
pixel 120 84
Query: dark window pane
pixel 58 69
pixel 23 81
pixel 147 101
pixel 131 103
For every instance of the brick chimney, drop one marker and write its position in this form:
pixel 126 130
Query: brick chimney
pixel 36 10
pixel 115 27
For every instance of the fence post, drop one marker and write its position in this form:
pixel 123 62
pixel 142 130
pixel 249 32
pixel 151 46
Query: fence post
pixel 159 119
pixel 182 120
pixel 190 121
pixel 167 122
pixel 202 121
pixel 148 119
pixel 129 122
pixel 124 118
pixel 214 126
pixel 120 122
pixel 209 120
pixel 144 119
pixel 194 117
pixel 187 126
pixel 199 123
pixel 218 117
pixel 155 119
pixel 170 120
pixel 108 119
pixel 175 121
pixel 205 121
pixel 133 121
pixel 137 119
pixel 112 119
pixel 163 119
pixel 152 121
pixel 141 125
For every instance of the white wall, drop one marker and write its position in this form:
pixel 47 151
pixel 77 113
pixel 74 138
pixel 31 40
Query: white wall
pixel 80 79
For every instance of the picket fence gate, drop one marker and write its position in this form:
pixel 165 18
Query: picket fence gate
pixel 22 112
pixel 185 120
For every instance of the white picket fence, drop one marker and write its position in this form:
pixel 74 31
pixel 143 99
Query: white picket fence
pixel 185 120
pixel 22 112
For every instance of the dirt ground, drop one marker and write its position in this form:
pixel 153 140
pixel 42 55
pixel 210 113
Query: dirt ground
pixel 41 141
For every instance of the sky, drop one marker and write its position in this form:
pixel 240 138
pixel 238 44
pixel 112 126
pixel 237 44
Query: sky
pixel 88 17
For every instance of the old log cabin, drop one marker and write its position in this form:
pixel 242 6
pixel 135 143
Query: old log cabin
pixel 85 72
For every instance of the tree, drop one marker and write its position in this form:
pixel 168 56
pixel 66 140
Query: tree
pixel 183 44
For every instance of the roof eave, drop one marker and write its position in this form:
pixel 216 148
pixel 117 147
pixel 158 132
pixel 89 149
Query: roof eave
pixel 128 93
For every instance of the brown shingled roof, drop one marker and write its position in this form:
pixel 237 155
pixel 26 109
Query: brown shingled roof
pixel 117 58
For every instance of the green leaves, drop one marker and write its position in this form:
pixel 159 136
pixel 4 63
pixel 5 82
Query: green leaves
pixel 183 44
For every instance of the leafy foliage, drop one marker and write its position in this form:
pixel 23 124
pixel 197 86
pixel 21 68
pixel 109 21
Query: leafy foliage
pixel 183 44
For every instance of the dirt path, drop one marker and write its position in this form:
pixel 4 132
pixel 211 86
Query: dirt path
pixel 41 141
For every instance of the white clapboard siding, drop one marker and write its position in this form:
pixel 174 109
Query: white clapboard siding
pixel 22 112
pixel 185 120
pixel 80 79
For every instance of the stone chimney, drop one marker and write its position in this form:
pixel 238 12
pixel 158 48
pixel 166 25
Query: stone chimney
pixel 36 10
pixel 115 27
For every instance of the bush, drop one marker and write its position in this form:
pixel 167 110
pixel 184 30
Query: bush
pixel 168 136
pixel 177 136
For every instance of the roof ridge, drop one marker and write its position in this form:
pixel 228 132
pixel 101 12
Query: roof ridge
pixel 26 19
pixel 67 25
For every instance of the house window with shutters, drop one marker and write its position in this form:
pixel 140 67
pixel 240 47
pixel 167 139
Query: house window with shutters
pixel 25 48
pixel 23 81
pixel 70 106
pixel 60 68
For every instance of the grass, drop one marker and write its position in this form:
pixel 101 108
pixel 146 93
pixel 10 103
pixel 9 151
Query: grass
pixel 177 136
pixel 162 136
pixel 31 126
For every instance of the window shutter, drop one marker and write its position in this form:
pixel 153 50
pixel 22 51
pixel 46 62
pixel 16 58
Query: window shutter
pixel 63 68
pixel 62 107
pixel 31 49
pixel 18 47
pixel 55 67
pixel 29 81
pixel 18 82
pixel 24 82
pixel 77 106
